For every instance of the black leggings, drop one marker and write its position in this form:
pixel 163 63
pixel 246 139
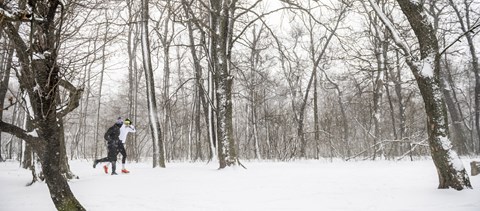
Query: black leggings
pixel 111 157
pixel 121 149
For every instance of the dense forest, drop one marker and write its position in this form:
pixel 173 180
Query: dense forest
pixel 232 80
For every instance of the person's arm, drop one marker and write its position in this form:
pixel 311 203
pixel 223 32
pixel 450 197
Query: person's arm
pixel 131 129
pixel 107 134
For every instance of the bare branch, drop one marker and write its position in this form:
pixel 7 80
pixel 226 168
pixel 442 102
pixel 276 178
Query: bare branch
pixel 18 132
pixel 74 97
pixel 471 30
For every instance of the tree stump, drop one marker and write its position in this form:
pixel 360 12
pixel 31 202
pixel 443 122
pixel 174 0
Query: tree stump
pixel 475 167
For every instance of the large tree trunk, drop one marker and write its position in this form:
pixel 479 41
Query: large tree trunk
pixel 222 10
pixel 40 78
pixel 48 124
pixel 52 159
pixel 458 133
pixel 451 172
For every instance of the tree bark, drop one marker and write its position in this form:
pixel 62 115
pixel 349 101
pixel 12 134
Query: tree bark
pixel 426 70
pixel 98 137
pixel 133 72
pixel 40 78
pixel 222 11
pixel 156 132
pixel 5 67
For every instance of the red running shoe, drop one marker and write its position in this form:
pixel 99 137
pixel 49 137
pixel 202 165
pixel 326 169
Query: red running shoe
pixel 125 171
pixel 105 167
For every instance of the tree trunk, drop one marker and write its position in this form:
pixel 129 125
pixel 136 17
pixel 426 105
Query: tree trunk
pixel 316 121
pixel 396 78
pixel 222 10
pixel 60 192
pixel 199 89
pixel 212 82
pixel 380 51
pixel 132 43
pixel 451 172
pixel 466 26
pixel 459 138
pixel 269 150
pixel 344 119
pixel 49 126
pixel 158 153
pixel 64 166
pixel 97 137
pixel 5 67
pixel 40 77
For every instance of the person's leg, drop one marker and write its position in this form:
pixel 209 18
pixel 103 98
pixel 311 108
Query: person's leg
pixel 105 167
pixel 114 167
pixel 105 159
pixel 124 155
pixel 95 162
pixel 112 157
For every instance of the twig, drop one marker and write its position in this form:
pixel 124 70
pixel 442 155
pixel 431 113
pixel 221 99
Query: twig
pixel 390 141
pixel 239 163
pixel 459 37
pixel 411 150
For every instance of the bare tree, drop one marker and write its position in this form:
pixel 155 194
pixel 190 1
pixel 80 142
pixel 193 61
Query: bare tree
pixel 426 70
pixel 467 27
pixel 317 53
pixel 99 95
pixel 158 145
pixel 6 56
pixel 458 129
pixel 41 78
pixel 200 92
pixel 166 32
pixel 221 13
pixel 133 78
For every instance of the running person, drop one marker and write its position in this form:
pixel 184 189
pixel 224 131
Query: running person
pixel 111 136
pixel 126 128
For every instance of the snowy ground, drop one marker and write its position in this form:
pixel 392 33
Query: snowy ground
pixel 300 185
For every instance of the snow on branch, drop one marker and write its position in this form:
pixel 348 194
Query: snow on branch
pixel 28 136
pixel 19 15
pixel 395 34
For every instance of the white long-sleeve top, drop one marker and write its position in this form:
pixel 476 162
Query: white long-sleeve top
pixel 124 130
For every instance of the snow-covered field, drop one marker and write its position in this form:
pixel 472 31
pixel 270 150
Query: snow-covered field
pixel 300 185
